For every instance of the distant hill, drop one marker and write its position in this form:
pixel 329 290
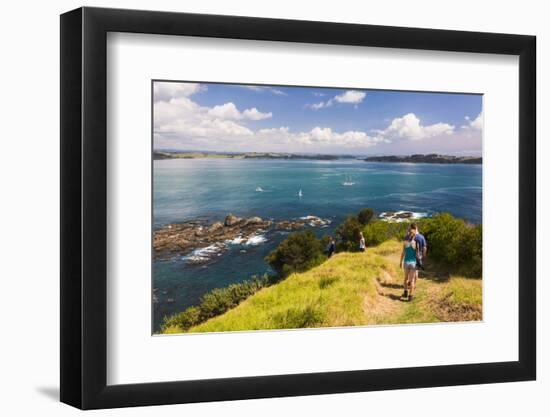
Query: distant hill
pixel 427 159
pixel 244 155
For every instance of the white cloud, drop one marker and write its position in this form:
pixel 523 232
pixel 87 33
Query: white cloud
pixel 261 89
pixel 230 111
pixel 185 119
pixel 255 114
pixel 252 87
pixel 320 105
pixel 351 96
pixel 476 124
pixel 347 97
pixel 409 127
pixel 164 91
pixel 225 111
pixel 318 137
pixel 181 123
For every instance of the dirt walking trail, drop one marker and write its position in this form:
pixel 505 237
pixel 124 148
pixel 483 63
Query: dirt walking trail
pixel 439 296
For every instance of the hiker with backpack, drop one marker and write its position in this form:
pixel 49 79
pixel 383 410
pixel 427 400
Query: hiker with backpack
pixel 418 243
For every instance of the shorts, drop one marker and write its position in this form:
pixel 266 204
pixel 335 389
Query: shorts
pixel 409 265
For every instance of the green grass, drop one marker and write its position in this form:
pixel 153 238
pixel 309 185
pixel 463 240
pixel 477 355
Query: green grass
pixel 350 289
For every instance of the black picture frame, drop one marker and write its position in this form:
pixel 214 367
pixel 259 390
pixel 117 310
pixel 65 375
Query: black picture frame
pixel 84 207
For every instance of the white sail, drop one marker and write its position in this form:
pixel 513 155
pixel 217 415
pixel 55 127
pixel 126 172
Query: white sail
pixel 348 182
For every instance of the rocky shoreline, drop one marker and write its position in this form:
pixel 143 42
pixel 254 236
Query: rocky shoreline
pixel 199 240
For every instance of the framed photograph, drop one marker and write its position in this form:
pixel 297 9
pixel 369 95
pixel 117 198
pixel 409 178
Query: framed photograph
pixel 256 208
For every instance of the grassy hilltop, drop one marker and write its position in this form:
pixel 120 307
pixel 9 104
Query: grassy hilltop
pixel 350 289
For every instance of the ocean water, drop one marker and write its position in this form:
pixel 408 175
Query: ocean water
pixel 186 189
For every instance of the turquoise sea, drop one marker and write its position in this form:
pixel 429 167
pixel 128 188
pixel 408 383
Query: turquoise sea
pixel 187 189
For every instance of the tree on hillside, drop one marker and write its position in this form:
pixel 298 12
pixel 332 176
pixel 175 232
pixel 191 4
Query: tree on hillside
pixel 348 232
pixel 365 216
pixel 299 252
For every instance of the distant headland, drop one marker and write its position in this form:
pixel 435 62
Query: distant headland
pixel 417 158
pixel 244 155
pixel 427 159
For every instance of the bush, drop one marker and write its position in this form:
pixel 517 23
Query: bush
pixel 299 252
pixel 348 233
pixel 454 244
pixel 214 303
pixel 380 231
pixel 184 320
pixel 365 216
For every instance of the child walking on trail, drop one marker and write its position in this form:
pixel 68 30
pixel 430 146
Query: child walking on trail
pixel 408 263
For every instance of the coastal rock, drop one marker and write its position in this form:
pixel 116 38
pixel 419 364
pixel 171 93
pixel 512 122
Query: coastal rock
pixel 312 221
pixel 288 225
pixel 216 227
pixel 199 241
pixel 205 239
pixel 231 220
pixel 404 215
pixel 401 216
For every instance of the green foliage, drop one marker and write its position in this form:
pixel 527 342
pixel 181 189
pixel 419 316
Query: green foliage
pixel 379 231
pixel 365 216
pixel 214 303
pixel 184 320
pixel 299 252
pixel 348 233
pixel 454 244
pixel 325 240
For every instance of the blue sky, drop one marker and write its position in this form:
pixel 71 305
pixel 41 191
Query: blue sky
pixel 239 118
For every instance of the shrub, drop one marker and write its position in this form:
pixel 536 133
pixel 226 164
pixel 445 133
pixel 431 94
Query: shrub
pixel 299 252
pixel 184 320
pixel 365 216
pixel 473 246
pixel 214 303
pixel 379 231
pixel 348 233
pixel 454 244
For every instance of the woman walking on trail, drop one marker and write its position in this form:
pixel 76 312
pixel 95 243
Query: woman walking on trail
pixel 408 263
pixel 362 244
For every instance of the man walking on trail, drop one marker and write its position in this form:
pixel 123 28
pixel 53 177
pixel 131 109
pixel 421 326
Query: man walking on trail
pixel 421 248
pixel 412 258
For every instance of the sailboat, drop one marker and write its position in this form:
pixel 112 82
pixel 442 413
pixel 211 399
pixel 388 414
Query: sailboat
pixel 259 190
pixel 300 194
pixel 348 182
